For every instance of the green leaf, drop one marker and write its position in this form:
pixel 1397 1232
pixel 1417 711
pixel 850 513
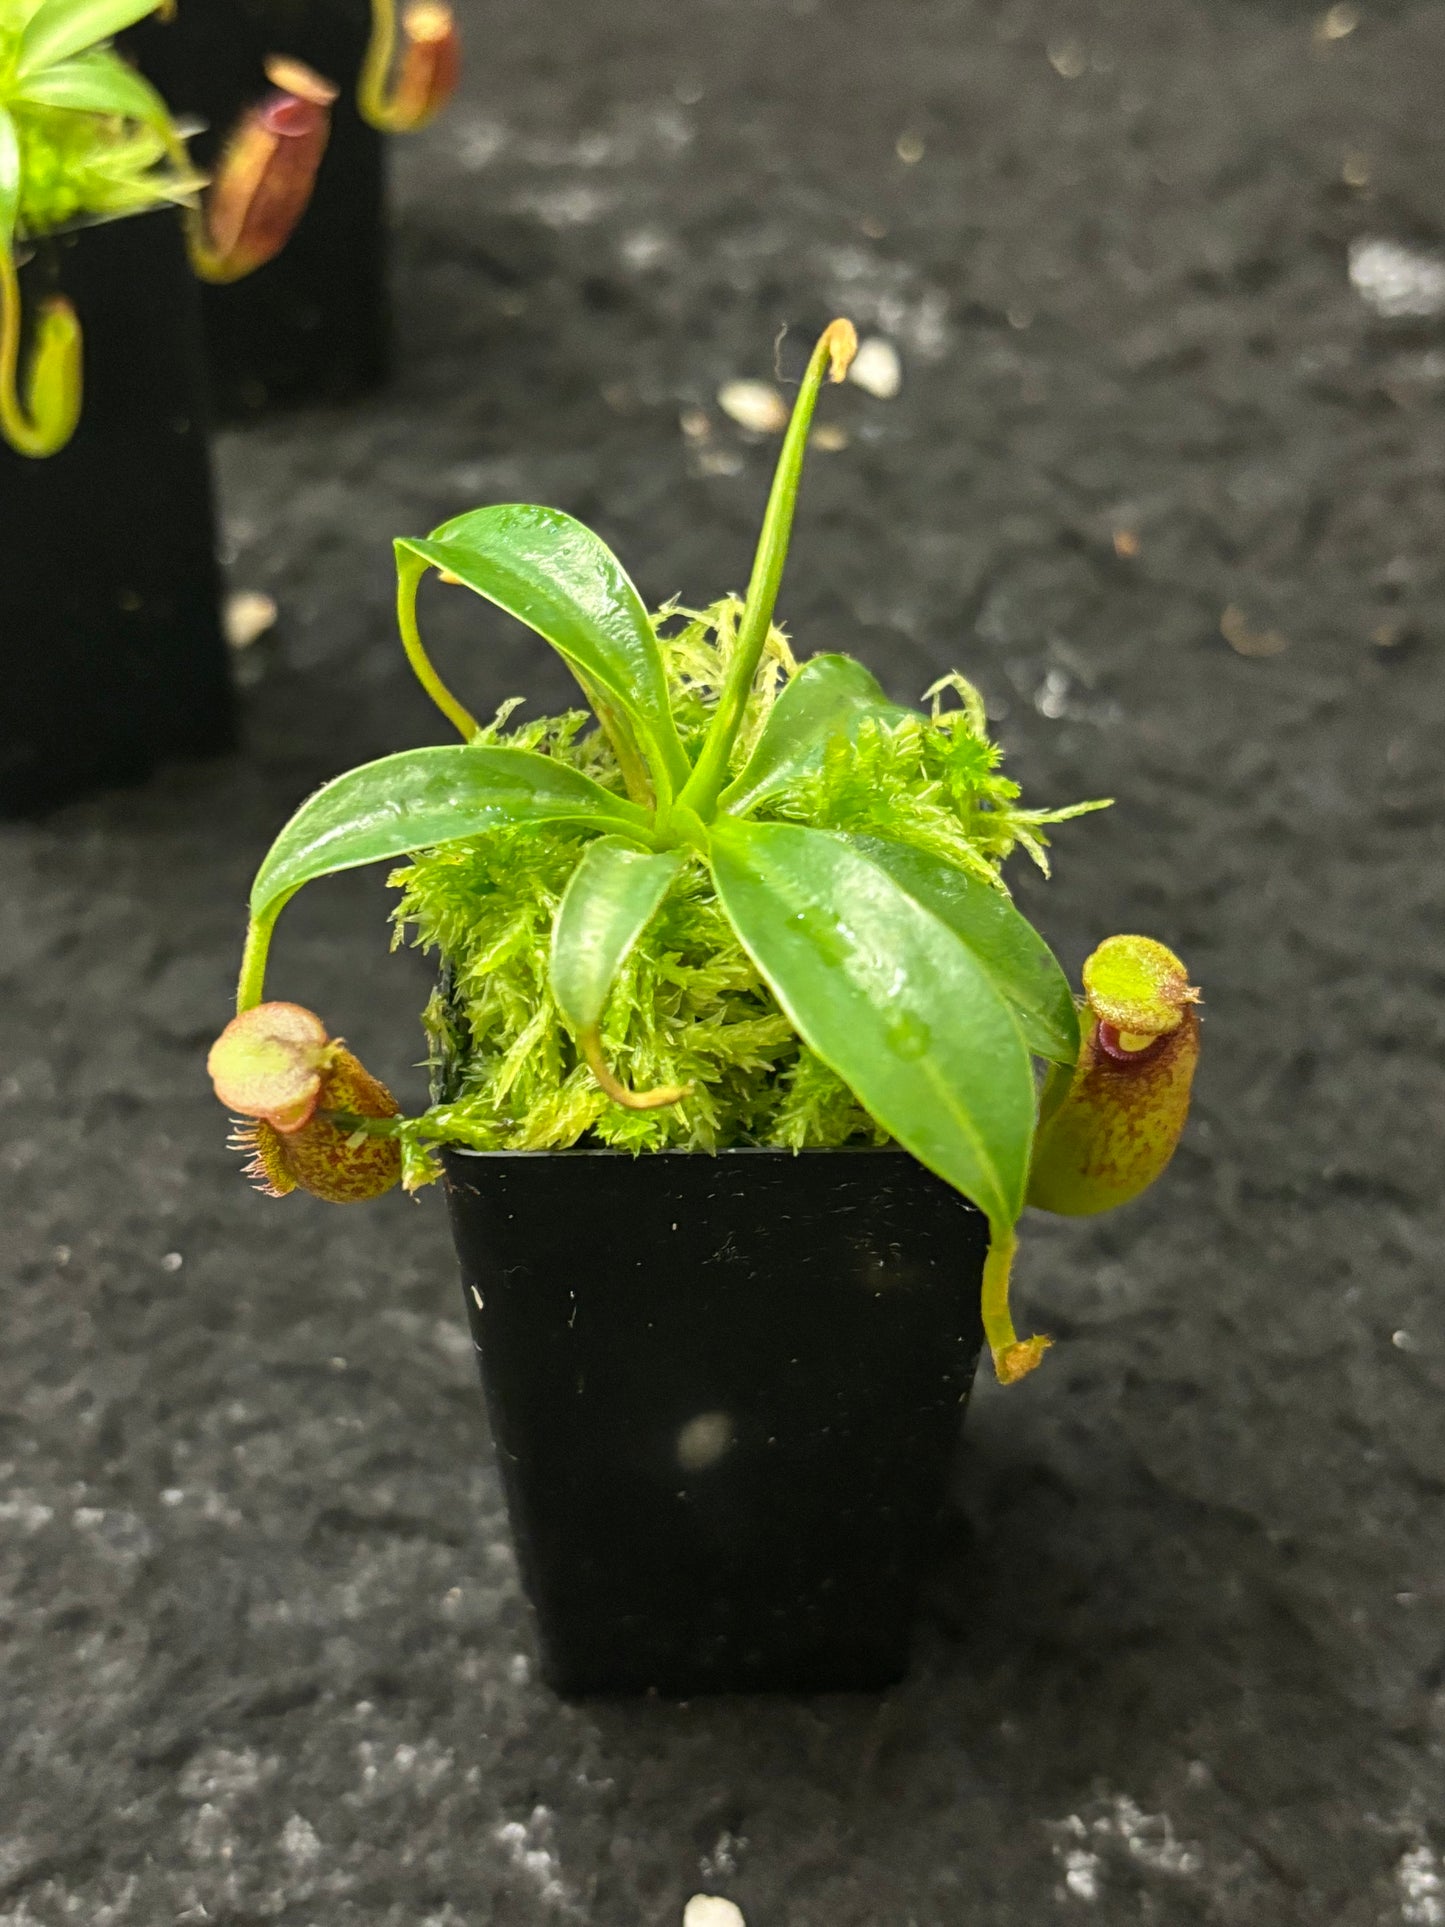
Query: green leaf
pixel 887 995
pixel 9 180
pixel 425 797
pixel 829 697
pixel 611 898
pixel 563 581
pixel 96 83
pixel 59 28
pixel 1013 953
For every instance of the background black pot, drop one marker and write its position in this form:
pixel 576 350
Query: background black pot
pixel 312 325
pixel 725 1393
pixel 110 639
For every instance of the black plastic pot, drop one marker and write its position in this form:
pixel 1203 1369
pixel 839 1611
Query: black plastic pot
pixel 312 325
pixel 725 1393
pixel 111 654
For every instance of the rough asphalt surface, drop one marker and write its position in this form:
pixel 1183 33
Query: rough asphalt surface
pixel 265 1658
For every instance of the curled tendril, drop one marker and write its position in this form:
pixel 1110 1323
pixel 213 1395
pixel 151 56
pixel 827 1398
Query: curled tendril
pixel 630 1100
pixel 39 409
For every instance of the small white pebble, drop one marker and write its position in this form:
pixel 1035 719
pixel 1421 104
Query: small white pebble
pixel 248 616
pixel 1338 24
pixel 300 1842
pixel 719 461
pixel 704 1440
pixel 711 1910
pixel 172 1261
pixel 876 368
pixel 1081 1873
pixel 1245 640
pixel 1397 281
pixel 1422 1888
pixel 754 405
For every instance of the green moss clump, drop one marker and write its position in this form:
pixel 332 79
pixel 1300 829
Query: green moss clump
pixel 689 1007
pixel 76 167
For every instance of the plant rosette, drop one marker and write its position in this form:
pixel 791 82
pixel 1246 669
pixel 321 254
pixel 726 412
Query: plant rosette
pixel 758 903
pixel 85 138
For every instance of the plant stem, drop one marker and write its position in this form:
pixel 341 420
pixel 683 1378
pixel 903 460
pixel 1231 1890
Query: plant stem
pixel 13 420
pixel 251 987
pixel 409 571
pixel 835 349
pixel 1013 1357
pixel 380 49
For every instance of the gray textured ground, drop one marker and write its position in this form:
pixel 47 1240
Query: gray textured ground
pixel 264 1652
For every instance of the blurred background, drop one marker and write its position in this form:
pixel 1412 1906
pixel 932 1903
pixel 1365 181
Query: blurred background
pixel 1152 449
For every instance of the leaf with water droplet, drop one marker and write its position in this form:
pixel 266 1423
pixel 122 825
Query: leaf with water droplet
pixel 418 800
pixel 559 578
pixel 1013 953
pixel 830 697
pixel 612 897
pixel 884 992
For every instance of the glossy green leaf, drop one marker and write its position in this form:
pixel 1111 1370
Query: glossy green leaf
pixel 9 180
pixel 425 797
pixel 1003 940
pixel 96 83
pixel 889 997
pixel 829 697
pixel 563 581
pixel 59 28
pixel 612 897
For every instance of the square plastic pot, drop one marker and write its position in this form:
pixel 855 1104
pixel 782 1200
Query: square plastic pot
pixel 725 1393
pixel 311 326
pixel 111 653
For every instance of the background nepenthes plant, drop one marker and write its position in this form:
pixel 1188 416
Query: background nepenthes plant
pixel 110 617
pixel 314 327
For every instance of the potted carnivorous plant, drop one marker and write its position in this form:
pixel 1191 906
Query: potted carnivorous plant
pixel 745 1065
pixel 314 326
pixel 110 631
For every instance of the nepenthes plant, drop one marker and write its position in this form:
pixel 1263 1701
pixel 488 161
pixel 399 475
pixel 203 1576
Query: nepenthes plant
pixel 737 901
pixel 398 92
pixel 84 138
